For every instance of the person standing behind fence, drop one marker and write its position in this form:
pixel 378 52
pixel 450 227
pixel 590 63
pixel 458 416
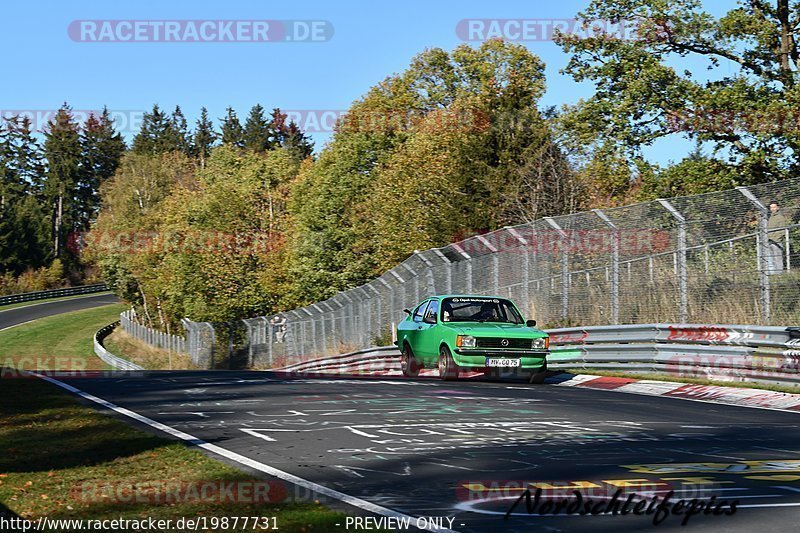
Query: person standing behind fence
pixel 278 324
pixel 779 219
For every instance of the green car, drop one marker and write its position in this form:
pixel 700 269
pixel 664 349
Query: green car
pixel 463 332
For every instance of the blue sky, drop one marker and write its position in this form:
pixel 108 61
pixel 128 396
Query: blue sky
pixel 43 67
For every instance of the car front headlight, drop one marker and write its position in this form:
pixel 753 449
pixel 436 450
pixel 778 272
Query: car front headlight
pixel 466 341
pixel 540 344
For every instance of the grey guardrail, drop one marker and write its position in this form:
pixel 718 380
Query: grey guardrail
pixel 764 354
pixel 55 293
pixel 111 359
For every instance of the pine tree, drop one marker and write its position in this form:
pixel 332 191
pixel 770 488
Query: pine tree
pixel 257 131
pixel 62 150
pixel 204 137
pixel 297 143
pixel 232 132
pixel 28 157
pixel 278 128
pixel 158 134
pixel 102 148
pixel 182 139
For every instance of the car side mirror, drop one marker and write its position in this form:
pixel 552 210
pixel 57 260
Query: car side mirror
pixel 407 311
pixel 530 323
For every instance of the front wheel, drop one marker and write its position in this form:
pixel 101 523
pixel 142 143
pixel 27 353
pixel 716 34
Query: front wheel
pixel 448 370
pixel 537 378
pixel 408 363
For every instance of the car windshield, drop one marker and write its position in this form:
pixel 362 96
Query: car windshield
pixel 479 310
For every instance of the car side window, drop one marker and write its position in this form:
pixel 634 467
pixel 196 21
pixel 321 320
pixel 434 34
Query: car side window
pixel 419 312
pixel 433 309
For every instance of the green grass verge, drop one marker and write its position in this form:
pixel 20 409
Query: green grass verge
pixel 64 460
pixel 693 381
pixel 57 342
pixel 49 300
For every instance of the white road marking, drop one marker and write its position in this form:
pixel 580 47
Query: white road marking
pixel 241 459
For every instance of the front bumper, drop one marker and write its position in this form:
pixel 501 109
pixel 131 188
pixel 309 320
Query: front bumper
pixel 476 357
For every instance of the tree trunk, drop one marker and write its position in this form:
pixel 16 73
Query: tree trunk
pixel 786 41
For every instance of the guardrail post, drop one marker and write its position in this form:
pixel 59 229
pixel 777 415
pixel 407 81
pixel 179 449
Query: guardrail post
pixel 762 244
pixel 614 265
pixel 683 276
pixel 564 266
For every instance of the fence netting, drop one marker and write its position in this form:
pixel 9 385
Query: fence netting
pixel 725 257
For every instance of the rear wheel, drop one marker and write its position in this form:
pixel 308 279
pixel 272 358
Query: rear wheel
pixel 408 363
pixel 448 370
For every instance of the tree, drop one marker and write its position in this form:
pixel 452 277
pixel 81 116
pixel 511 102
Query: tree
pixel 180 131
pixel 62 150
pixel 161 133
pixel 297 143
pixel 232 132
pixel 204 137
pixel 257 132
pixel 464 121
pixel 742 104
pixel 102 148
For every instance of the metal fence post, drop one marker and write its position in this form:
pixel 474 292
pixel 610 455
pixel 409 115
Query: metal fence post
pixel 762 243
pixel 415 278
pixel 614 265
pixel 564 266
pixel 448 269
pixel 467 267
pixel 495 263
pixel 525 268
pixel 680 261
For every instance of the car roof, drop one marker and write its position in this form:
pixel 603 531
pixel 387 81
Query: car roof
pixel 442 296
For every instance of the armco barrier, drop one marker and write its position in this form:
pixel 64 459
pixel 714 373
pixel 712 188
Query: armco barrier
pixel 111 359
pixel 55 293
pixel 722 352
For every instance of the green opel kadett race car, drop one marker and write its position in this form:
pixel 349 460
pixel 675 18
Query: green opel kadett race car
pixel 463 332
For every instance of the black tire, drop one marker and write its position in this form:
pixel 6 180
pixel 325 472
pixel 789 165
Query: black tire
pixel 537 378
pixel 491 373
pixel 408 363
pixel 448 370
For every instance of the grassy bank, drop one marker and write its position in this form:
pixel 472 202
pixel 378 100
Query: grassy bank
pixel 57 342
pixel 64 460
pixel 123 345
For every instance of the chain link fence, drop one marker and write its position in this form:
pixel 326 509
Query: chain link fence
pixel 158 339
pixel 713 258
pixel 721 257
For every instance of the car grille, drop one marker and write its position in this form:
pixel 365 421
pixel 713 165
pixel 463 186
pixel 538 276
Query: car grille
pixel 519 344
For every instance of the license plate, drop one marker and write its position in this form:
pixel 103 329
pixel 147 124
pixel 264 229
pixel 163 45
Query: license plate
pixel 493 362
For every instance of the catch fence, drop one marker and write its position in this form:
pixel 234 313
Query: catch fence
pixel 713 258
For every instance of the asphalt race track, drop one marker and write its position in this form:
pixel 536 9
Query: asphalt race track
pixel 20 315
pixel 466 450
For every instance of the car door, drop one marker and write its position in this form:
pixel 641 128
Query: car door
pixel 416 326
pixel 428 334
